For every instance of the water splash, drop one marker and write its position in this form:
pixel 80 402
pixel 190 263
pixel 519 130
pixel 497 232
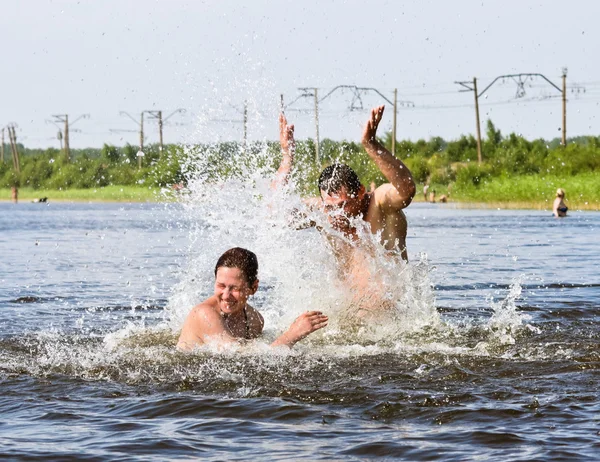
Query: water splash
pixel 371 298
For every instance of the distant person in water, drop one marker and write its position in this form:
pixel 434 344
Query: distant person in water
pixel 341 190
pixel 559 208
pixel 14 194
pixel 227 318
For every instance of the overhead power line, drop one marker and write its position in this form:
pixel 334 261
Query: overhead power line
pixel 64 118
pixel 355 104
pixel 520 80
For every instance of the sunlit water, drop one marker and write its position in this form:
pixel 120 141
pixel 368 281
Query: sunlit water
pixel 491 348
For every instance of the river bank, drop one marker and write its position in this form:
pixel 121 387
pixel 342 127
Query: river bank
pixel 525 193
pixel 114 193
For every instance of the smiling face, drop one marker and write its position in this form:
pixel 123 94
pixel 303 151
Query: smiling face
pixel 232 289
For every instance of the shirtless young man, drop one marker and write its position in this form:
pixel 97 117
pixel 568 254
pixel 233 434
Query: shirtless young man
pixel 226 317
pixel 341 190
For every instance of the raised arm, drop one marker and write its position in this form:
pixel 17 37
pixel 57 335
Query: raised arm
pixel 288 149
pixel 392 168
pixel 304 325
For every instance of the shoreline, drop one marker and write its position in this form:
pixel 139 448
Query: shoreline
pixel 105 194
pixel 512 205
pixel 156 198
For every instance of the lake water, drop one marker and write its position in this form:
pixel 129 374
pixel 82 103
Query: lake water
pixel 495 355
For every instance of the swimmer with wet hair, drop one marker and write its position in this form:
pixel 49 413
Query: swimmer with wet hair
pixel 341 190
pixel 226 317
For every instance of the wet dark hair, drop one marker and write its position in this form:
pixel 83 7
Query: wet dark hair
pixel 336 176
pixel 242 259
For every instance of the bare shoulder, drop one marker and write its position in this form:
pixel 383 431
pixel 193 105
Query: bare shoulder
pixel 202 321
pixel 387 198
pixel 200 315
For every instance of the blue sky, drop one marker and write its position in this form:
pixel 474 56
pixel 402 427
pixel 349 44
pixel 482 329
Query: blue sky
pixel 209 57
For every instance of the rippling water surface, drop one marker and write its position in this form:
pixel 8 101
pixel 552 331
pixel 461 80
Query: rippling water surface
pixel 494 353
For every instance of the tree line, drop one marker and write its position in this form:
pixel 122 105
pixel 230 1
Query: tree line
pixel 435 161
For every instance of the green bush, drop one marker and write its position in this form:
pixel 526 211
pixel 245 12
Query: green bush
pixel 419 168
pixel 472 175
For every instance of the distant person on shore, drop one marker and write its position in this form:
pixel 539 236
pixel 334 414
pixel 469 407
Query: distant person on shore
pixel 342 196
pixel 227 318
pixel 14 194
pixel 425 190
pixel 559 208
pixel 432 196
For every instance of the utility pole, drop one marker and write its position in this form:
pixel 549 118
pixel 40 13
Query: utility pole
pixel 142 132
pixel 158 115
pixel 64 118
pixel 564 106
pixel 160 131
pixel 140 124
pixel 394 123
pixel 308 92
pixel 12 135
pixel 140 153
pixel 478 121
pixel 521 80
pixel 67 145
pixel 472 86
pixel 317 153
pixel 245 125
pixel 357 103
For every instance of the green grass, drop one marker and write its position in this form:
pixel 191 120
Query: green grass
pixel 582 191
pixel 105 194
pixel 526 191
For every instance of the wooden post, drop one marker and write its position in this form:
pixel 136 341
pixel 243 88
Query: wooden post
pixel 245 126
pixel 317 153
pixel 12 147
pixel 15 151
pixel 564 109
pixel 394 126
pixel 479 159
pixel 67 146
pixel 160 131
pixel 142 132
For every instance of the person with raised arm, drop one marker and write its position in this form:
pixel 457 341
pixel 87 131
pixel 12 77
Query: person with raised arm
pixel 226 317
pixel 341 190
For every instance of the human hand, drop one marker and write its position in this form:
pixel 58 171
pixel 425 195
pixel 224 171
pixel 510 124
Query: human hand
pixel 286 136
pixel 371 128
pixel 306 324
